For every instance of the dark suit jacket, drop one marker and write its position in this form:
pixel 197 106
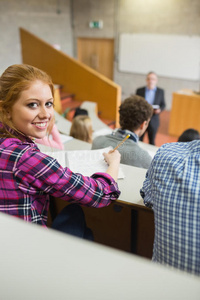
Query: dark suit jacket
pixel 159 100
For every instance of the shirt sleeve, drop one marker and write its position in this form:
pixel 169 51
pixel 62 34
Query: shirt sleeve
pixel 162 103
pixel 38 173
pixel 146 191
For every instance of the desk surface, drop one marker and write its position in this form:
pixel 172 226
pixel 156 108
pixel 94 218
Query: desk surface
pixel 43 264
pixel 130 186
pixel 149 148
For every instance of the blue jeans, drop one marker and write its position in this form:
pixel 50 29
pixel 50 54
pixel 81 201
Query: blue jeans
pixel 71 220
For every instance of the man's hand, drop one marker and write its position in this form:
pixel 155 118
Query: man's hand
pixel 157 111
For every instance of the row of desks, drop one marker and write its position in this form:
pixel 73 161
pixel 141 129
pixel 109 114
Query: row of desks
pixel 64 267
pixel 126 224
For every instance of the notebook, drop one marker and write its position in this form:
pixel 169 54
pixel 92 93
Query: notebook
pixel 85 162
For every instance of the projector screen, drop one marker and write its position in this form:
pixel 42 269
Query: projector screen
pixel 173 56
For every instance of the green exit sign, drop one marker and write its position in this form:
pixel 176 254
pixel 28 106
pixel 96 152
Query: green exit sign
pixel 96 24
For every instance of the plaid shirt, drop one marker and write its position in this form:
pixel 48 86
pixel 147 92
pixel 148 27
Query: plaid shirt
pixel 172 189
pixel 28 177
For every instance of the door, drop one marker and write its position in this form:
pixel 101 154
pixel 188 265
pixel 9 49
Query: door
pixel 97 54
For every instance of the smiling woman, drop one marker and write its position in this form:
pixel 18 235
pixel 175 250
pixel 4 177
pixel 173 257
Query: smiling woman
pixel 23 90
pixel 27 176
pixel 32 113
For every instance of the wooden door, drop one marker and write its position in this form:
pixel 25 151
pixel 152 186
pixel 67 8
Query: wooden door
pixel 97 54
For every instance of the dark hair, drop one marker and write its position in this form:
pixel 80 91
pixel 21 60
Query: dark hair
pixel 80 112
pixel 133 112
pixel 189 135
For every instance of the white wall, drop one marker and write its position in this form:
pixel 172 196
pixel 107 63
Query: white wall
pixel 180 17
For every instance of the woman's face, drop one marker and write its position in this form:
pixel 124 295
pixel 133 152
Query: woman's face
pixel 33 112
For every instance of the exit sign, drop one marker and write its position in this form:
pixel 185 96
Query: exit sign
pixel 96 24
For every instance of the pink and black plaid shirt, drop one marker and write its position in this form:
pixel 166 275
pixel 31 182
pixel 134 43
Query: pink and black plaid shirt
pixel 28 177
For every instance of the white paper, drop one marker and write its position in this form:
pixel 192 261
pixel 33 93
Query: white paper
pixel 85 162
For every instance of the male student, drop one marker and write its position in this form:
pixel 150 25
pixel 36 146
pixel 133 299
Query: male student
pixel 154 96
pixel 135 113
pixel 172 189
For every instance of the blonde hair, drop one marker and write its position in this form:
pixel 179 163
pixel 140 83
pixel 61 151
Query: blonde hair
pixel 81 128
pixel 14 80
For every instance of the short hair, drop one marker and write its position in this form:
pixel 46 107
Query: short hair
pixel 81 128
pixel 189 135
pixel 80 112
pixel 152 72
pixel 133 112
pixel 14 80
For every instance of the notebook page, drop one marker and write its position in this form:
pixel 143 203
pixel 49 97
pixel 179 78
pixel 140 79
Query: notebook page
pixel 88 162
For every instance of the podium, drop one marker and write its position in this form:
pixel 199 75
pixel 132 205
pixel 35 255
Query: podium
pixel 185 112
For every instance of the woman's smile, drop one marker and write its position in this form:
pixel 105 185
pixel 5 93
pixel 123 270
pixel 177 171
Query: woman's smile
pixel 32 113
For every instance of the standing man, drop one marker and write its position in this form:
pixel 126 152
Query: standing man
pixel 154 96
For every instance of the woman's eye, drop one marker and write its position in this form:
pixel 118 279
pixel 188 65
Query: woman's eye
pixel 49 104
pixel 33 105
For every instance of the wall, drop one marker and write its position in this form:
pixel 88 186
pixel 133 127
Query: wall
pixel 139 16
pixel 48 19
pixel 180 17
pixel 133 16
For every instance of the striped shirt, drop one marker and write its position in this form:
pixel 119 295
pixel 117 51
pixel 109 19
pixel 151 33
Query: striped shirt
pixel 28 177
pixel 172 189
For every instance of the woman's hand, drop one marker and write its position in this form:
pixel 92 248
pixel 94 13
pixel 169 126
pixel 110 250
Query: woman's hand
pixel 113 160
pixel 112 157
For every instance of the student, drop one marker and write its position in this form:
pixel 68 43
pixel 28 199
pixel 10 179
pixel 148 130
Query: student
pixel 154 96
pixel 80 112
pixel 54 142
pixel 172 190
pixel 81 128
pixel 189 135
pixel 135 113
pixel 27 176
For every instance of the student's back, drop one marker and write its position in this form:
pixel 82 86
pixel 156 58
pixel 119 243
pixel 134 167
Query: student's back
pixel 135 113
pixel 131 153
pixel 172 189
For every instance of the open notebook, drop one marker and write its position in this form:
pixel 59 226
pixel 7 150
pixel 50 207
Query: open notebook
pixel 86 162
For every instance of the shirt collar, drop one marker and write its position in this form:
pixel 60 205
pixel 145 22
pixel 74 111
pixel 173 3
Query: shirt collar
pixel 19 135
pixel 148 90
pixel 123 133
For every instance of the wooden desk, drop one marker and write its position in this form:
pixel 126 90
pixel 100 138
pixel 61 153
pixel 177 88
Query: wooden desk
pixel 44 264
pixel 185 112
pixel 126 224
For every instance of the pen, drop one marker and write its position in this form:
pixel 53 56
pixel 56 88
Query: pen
pixel 121 142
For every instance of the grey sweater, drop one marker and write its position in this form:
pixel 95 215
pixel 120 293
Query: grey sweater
pixel 131 153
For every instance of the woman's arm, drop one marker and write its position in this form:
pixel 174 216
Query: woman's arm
pixel 113 161
pixel 38 173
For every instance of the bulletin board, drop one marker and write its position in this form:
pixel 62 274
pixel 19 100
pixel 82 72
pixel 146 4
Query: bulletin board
pixel 174 56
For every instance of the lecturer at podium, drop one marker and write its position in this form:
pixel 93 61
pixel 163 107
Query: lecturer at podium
pixel 154 96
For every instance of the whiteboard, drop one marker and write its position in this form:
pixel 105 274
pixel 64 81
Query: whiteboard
pixel 168 55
